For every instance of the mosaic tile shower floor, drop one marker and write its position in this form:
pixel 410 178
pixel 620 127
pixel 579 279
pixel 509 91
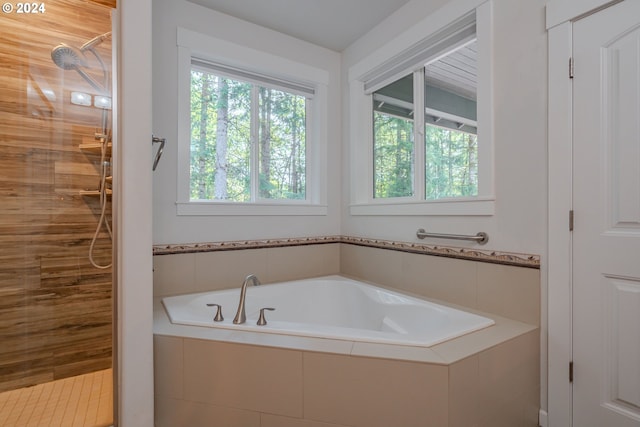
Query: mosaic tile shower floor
pixel 81 401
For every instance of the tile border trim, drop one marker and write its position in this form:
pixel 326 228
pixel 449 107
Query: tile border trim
pixel 489 256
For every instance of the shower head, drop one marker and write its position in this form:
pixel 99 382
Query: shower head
pixel 67 57
pixel 71 58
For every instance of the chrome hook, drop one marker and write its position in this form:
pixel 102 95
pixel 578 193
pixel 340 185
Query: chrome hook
pixel 161 141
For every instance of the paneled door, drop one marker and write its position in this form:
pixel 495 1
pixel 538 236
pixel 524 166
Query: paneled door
pixel 606 236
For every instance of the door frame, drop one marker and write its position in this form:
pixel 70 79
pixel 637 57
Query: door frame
pixel 560 15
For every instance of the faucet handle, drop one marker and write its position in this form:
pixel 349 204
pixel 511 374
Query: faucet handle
pixel 261 320
pixel 218 317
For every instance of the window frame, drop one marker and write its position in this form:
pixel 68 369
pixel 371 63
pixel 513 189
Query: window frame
pixel 197 47
pixel 379 66
pixel 256 84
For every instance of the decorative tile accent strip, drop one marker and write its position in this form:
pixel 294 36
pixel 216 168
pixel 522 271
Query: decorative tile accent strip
pixel 494 257
pixel 490 256
pixel 243 244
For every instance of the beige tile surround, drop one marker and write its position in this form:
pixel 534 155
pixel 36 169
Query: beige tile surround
pixel 505 290
pixel 214 384
pixel 211 383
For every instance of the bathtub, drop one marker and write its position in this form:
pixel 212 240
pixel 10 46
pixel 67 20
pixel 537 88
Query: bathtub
pixel 331 307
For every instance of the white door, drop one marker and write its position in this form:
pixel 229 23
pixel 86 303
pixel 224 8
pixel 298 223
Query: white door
pixel 606 237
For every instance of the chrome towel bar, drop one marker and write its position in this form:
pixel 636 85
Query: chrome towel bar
pixel 481 238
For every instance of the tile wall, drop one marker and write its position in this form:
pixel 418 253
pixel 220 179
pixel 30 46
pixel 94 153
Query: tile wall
pixel 506 290
pixel 199 382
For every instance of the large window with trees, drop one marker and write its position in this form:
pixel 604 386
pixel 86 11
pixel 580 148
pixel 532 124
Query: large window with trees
pixel 248 138
pixel 252 131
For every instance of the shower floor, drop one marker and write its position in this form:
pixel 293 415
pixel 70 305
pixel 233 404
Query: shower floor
pixel 82 401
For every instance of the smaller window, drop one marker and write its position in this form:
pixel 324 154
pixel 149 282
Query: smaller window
pixel 248 137
pixel 421 121
pixel 448 84
pixel 451 140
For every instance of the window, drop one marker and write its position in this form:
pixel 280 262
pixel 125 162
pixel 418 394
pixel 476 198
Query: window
pixel 427 152
pixel 393 140
pixel 252 131
pixel 230 160
pixel 450 129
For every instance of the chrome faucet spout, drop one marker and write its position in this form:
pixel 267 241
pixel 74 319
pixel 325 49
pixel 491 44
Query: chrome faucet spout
pixel 241 316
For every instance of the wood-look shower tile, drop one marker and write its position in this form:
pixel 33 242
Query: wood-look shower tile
pixel 26 371
pixel 74 168
pixel 83 367
pixel 12 297
pixel 68 332
pixel 70 270
pixel 26 167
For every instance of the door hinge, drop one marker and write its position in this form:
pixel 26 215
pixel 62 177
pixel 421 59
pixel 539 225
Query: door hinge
pixel 571 67
pixel 571 220
pixel 571 371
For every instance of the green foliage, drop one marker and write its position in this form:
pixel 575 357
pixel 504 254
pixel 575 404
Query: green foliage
pixel 451 163
pixel 283 159
pixel 221 123
pixel 393 156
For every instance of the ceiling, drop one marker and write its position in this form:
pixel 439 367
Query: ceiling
pixel 456 72
pixel 333 24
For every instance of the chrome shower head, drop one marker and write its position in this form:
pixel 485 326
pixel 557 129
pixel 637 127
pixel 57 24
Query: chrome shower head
pixel 67 57
pixel 70 58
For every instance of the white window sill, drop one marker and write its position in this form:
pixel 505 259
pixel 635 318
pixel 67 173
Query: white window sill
pixel 248 209
pixel 462 207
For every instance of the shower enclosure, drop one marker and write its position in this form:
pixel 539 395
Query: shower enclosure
pixel 56 286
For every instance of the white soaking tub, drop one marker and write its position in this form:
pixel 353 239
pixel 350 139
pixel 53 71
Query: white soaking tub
pixel 331 307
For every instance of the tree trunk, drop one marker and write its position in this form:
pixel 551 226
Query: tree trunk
pixel 449 165
pixel 265 143
pixel 294 151
pixel 221 139
pixel 202 143
pixel 398 175
pixel 473 161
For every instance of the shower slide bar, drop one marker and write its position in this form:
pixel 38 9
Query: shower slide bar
pixel 481 238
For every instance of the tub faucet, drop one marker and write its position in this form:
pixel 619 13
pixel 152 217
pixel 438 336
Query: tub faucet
pixel 241 316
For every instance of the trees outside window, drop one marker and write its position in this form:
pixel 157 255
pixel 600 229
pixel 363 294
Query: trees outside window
pixel 451 163
pixel 393 156
pixel 248 141
pixel 446 128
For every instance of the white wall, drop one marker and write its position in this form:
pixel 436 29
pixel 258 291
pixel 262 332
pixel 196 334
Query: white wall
pixel 520 130
pixel 172 229
pixel 520 81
